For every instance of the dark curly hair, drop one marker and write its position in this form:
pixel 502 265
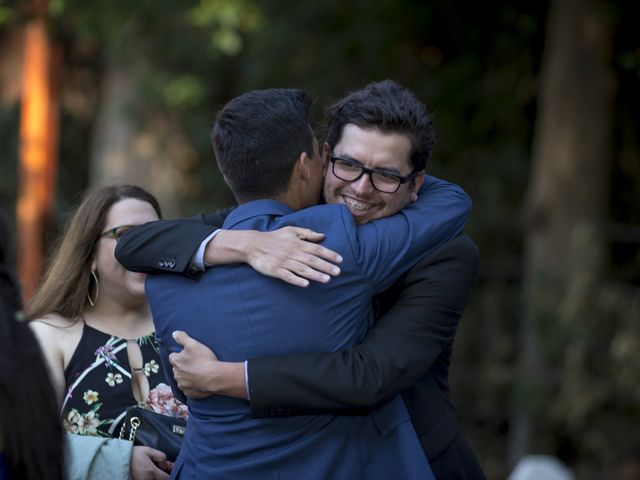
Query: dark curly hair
pixel 390 108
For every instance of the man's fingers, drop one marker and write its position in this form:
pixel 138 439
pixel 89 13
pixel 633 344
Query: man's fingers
pixel 160 474
pixel 304 268
pixel 290 277
pixel 299 274
pixel 156 455
pixel 173 359
pixel 305 271
pixel 311 267
pixel 183 339
pixel 180 337
pixel 306 234
pixel 317 263
pixel 193 351
pixel 317 250
pixel 323 252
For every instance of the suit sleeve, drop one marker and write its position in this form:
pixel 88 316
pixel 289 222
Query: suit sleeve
pixel 396 352
pixel 91 457
pixel 166 245
pixel 389 246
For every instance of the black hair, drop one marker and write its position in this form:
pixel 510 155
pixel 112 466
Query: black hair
pixel 31 436
pixel 257 139
pixel 390 108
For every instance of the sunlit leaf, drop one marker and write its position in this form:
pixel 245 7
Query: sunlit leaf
pixel 183 91
pixel 227 41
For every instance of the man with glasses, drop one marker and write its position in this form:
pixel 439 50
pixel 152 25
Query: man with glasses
pixel 350 170
pixel 379 139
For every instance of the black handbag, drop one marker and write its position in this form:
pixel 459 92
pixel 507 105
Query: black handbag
pixel 150 429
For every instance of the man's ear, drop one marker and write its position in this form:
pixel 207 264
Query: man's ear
pixel 417 183
pixel 303 166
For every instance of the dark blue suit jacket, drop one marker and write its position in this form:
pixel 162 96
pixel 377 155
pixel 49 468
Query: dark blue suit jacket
pixel 239 314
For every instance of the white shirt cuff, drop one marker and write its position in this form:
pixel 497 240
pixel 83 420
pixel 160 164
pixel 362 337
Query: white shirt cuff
pixel 197 261
pixel 246 378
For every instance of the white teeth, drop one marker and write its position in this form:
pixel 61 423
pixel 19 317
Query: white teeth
pixel 355 205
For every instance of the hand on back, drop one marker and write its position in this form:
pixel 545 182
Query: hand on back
pixel 291 254
pixel 199 373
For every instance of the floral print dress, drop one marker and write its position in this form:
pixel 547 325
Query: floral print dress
pixel 98 384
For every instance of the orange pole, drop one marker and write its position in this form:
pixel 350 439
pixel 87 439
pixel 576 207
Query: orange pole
pixel 38 155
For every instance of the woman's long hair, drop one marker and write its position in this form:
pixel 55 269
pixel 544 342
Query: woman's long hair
pixel 68 278
pixel 30 429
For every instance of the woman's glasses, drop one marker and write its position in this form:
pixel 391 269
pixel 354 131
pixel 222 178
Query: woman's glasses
pixel 117 232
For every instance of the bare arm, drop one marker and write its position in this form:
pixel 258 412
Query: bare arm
pixel 50 340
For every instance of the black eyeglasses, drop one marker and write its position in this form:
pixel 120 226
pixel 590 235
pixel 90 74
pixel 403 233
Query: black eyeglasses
pixel 382 180
pixel 117 232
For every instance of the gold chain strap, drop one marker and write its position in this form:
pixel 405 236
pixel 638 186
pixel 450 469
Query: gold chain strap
pixel 135 423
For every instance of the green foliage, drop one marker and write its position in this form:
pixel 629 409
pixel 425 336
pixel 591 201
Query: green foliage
pixel 182 91
pixel 227 19
pixel 5 14
pixel 57 8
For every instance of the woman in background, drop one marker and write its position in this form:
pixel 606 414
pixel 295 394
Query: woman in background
pixel 31 444
pixel 94 325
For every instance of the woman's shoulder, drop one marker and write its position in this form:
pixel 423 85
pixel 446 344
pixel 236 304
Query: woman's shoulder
pixel 54 328
pixel 54 321
pixel 58 337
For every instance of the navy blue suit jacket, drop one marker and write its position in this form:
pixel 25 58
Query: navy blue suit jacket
pixel 239 313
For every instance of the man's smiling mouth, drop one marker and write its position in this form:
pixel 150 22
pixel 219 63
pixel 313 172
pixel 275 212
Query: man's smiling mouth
pixel 357 205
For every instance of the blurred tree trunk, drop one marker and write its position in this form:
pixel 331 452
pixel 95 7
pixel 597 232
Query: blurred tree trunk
pixel 38 151
pixel 566 199
pixel 127 148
